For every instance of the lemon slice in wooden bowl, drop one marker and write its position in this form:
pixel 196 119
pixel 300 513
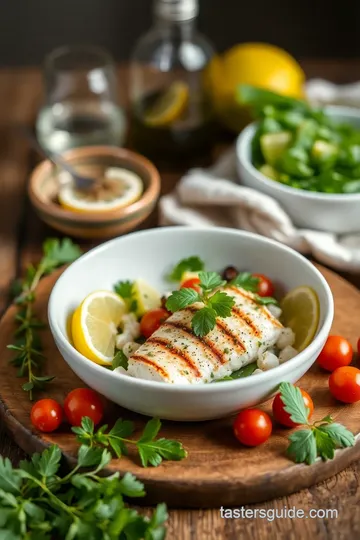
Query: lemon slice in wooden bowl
pixel 95 323
pixel 301 312
pixel 119 188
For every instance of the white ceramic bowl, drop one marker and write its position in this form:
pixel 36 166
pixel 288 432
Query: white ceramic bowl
pixel 150 255
pixel 337 213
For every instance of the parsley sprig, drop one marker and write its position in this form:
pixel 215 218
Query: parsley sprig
pixel 319 439
pixel 218 304
pixel 125 289
pixel 151 450
pixel 37 503
pixel 29 357
pixel 191 264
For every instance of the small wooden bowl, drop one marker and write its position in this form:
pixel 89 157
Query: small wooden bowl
pixel 43 189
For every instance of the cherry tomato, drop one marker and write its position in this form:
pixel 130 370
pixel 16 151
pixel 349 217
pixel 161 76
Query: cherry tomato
pixel 46 415
pixel 337 352
pixel 265 286
pixel 191 283
pixel 252 427
pixel 152 320
pixel 83 402
pixel 282 417
pixel 344 384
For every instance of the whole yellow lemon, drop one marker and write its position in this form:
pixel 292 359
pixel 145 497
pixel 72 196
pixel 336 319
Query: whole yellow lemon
pixel 258 64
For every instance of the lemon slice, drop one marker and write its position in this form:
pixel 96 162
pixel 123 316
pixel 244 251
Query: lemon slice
pixel 118 189
pixel 273 145
pixel 169 106
pixel 301 312
pixel 146 297
pixel 94 326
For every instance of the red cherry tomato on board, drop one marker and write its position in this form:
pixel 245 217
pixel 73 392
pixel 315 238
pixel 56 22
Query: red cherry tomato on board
pixel 265 285
pixel 152 320
pixel 337 352
pixel 283 417
pixel 191 283
pixel 83 402
pixel 344 384
pixel 46 415
pixel 252 427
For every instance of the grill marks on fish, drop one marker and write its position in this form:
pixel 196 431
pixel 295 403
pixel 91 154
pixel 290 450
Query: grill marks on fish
pixel 248 296
pixel 247 320
pixel 150 363
pixel 176 351
pixel 204 342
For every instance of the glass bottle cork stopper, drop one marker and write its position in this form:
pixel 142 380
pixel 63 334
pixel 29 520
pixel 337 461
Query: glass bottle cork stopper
pixel 176 10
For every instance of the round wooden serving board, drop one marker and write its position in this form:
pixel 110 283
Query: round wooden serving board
pixel 218 470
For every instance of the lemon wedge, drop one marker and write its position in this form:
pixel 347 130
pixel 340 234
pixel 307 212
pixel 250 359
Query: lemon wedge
pixel 169 106
pixel 301 312
pixel 146 297
pixel 119 188
pixel 94 326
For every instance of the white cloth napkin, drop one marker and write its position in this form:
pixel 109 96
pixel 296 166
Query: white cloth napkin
pixel 213 197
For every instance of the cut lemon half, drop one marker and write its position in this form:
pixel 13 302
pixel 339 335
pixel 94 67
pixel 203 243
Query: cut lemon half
pixel 119 188
pixel 146 297
pixel 169 106
pixel 94 326
pixel 301 312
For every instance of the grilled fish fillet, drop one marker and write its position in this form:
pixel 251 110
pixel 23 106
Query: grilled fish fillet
pixel 173 354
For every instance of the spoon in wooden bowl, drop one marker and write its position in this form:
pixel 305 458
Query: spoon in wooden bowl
pixel 83 183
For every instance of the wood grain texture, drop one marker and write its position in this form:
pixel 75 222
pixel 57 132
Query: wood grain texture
pixel 216 462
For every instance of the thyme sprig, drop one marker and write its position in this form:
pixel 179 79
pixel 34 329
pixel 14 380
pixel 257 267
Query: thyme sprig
pixel 29 358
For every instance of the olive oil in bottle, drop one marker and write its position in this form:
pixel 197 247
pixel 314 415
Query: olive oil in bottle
pixel 172 114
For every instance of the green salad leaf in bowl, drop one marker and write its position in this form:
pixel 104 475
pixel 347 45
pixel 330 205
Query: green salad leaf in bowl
pixel 300 146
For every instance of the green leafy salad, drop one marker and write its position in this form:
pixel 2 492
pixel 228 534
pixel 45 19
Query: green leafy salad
pixel 300 146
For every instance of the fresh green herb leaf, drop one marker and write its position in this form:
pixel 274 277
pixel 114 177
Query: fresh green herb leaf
pixel 29 361
pixel 203 321
pixel 210 280
pixel 181 299
pixel 221 303
pixel 37 504
pixel 303 446
pixel 246 281
pixel 294 403
pixel 124 288
pixel 120 360
pixel 151 450
pixel 191 264
pixel 265 300
pixel 325 445
pixel 320 439
pixel 258 97
pixel 338 433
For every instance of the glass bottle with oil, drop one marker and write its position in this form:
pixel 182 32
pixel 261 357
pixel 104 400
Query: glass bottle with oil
pixel 172 113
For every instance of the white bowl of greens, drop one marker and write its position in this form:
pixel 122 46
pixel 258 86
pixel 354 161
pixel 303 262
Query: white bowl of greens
pixel 307 159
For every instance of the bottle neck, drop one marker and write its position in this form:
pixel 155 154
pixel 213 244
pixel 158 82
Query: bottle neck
pixel 180 30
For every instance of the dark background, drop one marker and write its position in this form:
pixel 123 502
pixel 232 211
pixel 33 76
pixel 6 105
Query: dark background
pixel 306 28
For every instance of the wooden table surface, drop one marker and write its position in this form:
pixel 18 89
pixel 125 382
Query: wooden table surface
pixel 21 236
